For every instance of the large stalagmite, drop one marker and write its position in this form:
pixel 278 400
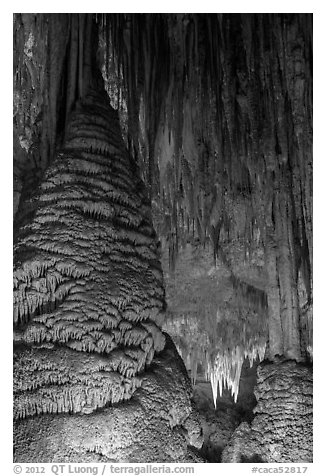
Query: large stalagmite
pixel 88 300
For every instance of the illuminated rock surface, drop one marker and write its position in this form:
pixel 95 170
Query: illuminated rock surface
pixel 282 430
pixel 157 425
pixel 88 300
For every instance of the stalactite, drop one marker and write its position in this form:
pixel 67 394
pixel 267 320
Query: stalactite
pixel 226 369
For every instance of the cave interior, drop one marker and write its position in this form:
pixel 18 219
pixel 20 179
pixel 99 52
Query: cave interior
pixel 163 190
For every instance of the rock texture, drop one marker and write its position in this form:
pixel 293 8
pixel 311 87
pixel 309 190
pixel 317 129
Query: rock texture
pixel 282 430
pixel 218 114
pixel 157 425
pixel 218 427
pixel 87 281
pixel 219 422
pixel 88 301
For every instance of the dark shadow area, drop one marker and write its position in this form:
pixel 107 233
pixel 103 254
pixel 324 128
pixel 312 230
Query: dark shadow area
pixel 219 423
pixel 253 459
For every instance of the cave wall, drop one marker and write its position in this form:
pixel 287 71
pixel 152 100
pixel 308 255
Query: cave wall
pixel 217 112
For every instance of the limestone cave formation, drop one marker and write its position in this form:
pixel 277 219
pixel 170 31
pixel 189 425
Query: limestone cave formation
pixel 163 237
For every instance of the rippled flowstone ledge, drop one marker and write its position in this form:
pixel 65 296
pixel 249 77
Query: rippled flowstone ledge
pixel 282 430
pixel 159 424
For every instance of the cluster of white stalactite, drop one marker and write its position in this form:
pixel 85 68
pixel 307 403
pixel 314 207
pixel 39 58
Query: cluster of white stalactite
pixel 224 371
